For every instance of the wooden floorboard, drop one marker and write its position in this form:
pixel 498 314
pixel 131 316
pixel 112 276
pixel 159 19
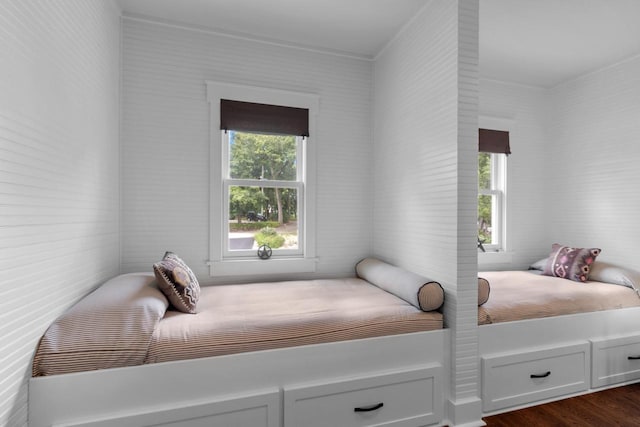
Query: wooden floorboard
pixel 615 407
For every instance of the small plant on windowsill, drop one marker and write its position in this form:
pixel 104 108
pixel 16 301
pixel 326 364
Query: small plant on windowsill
pixel 270 237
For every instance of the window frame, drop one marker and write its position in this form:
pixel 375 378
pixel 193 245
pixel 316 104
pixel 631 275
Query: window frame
pixel 499 188
pixel 297 184
pixel 498 209
pixel 223 262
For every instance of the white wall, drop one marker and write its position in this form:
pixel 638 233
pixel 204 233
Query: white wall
pixel 59 177
pixel 525 110
pixel 574 169
pixel 594 162
pixel 165 169
pixel 425 133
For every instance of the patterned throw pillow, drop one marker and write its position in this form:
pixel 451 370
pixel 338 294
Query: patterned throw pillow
pixel 177 282
pixel 570 263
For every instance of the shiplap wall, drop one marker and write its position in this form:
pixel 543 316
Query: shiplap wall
pixel 525 109
pixel 425 133
pixel 594 162
pixel 465 404
pixel 165 137
pixel 574 167
pixel 59 176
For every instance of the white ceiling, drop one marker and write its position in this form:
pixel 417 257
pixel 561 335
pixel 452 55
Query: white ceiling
pixel 534 42
pixel 546 42
pixel 355 27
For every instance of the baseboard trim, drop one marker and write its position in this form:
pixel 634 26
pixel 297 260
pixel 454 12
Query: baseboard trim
pixel 465 412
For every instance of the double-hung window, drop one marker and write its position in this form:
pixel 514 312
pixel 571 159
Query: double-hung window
pixel 262 187
pixel 492 166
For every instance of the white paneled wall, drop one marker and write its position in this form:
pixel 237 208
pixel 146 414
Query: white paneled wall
pixel 59 173
pixel 594 162
pixel 574 167
pixel 415 134
pixel 165 134
pixel 525 109
pixel 425 132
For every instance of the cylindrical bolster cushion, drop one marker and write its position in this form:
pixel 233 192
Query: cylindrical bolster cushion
pixel 483 290
pixel 425 294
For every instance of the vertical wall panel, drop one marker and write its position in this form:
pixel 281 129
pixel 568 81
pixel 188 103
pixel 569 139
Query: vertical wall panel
pixel 59 173
pixel 593 162
pixel 415 134
pixel 165 169
pixel 465 374
pixel 425 133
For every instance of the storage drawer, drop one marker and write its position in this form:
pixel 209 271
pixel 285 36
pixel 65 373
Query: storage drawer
pixel 255 410
pixel 615 360
pixel 401 399
pixel 522 378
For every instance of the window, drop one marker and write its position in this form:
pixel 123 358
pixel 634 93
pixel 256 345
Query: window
pixel 263 178
pixel 262 186
pixel 491 200
pixel 492 171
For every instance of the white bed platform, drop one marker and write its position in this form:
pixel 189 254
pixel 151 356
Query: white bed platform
pixel 397 380
pixel 528 362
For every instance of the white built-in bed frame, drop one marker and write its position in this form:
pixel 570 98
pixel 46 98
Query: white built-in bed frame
pixel 390 380
pixel 523 363
pixel 532 361
pixel 262 388
pixel 572 354
pixel 585 352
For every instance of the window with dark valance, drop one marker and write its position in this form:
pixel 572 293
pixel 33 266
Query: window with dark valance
pixel 263 118
pixel 493 141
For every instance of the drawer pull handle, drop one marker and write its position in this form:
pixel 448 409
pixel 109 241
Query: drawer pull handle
pixel 633 358
pixel 369 408
pixel 545 375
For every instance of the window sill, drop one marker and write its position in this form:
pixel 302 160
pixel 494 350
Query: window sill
pixel 495 257
pixel 245 267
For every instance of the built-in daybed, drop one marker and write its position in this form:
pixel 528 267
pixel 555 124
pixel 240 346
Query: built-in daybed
pixel 557 330
pixel 364 350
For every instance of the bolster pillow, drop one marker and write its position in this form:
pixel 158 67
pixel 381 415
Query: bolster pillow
pixel 483 290
pixel 425 294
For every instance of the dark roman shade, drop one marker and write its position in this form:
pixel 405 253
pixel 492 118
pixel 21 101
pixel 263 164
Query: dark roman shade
pixel 264 118
pixel 493 141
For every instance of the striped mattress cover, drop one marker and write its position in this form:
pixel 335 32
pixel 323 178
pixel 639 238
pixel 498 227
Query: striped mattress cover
pixel 261 316
pixel 519 295
pixel 137 327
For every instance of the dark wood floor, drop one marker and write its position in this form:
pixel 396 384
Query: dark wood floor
pixel 618 406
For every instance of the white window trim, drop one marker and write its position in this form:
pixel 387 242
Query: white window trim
pixel 219 264
pixel 498 189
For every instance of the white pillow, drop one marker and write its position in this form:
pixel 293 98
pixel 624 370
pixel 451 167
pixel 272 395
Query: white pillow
pixel 602 271
pixel 539 265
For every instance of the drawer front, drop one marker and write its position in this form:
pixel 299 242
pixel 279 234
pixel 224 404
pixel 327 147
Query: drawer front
pixel 401 399
pixel 257 410
pixel 615 360
pixel 523 378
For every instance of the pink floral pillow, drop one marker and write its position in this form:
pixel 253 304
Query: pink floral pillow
pixel 570 263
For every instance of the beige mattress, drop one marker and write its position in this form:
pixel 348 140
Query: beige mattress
pixel 126 321
pixel 519 295
pixel 259 316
